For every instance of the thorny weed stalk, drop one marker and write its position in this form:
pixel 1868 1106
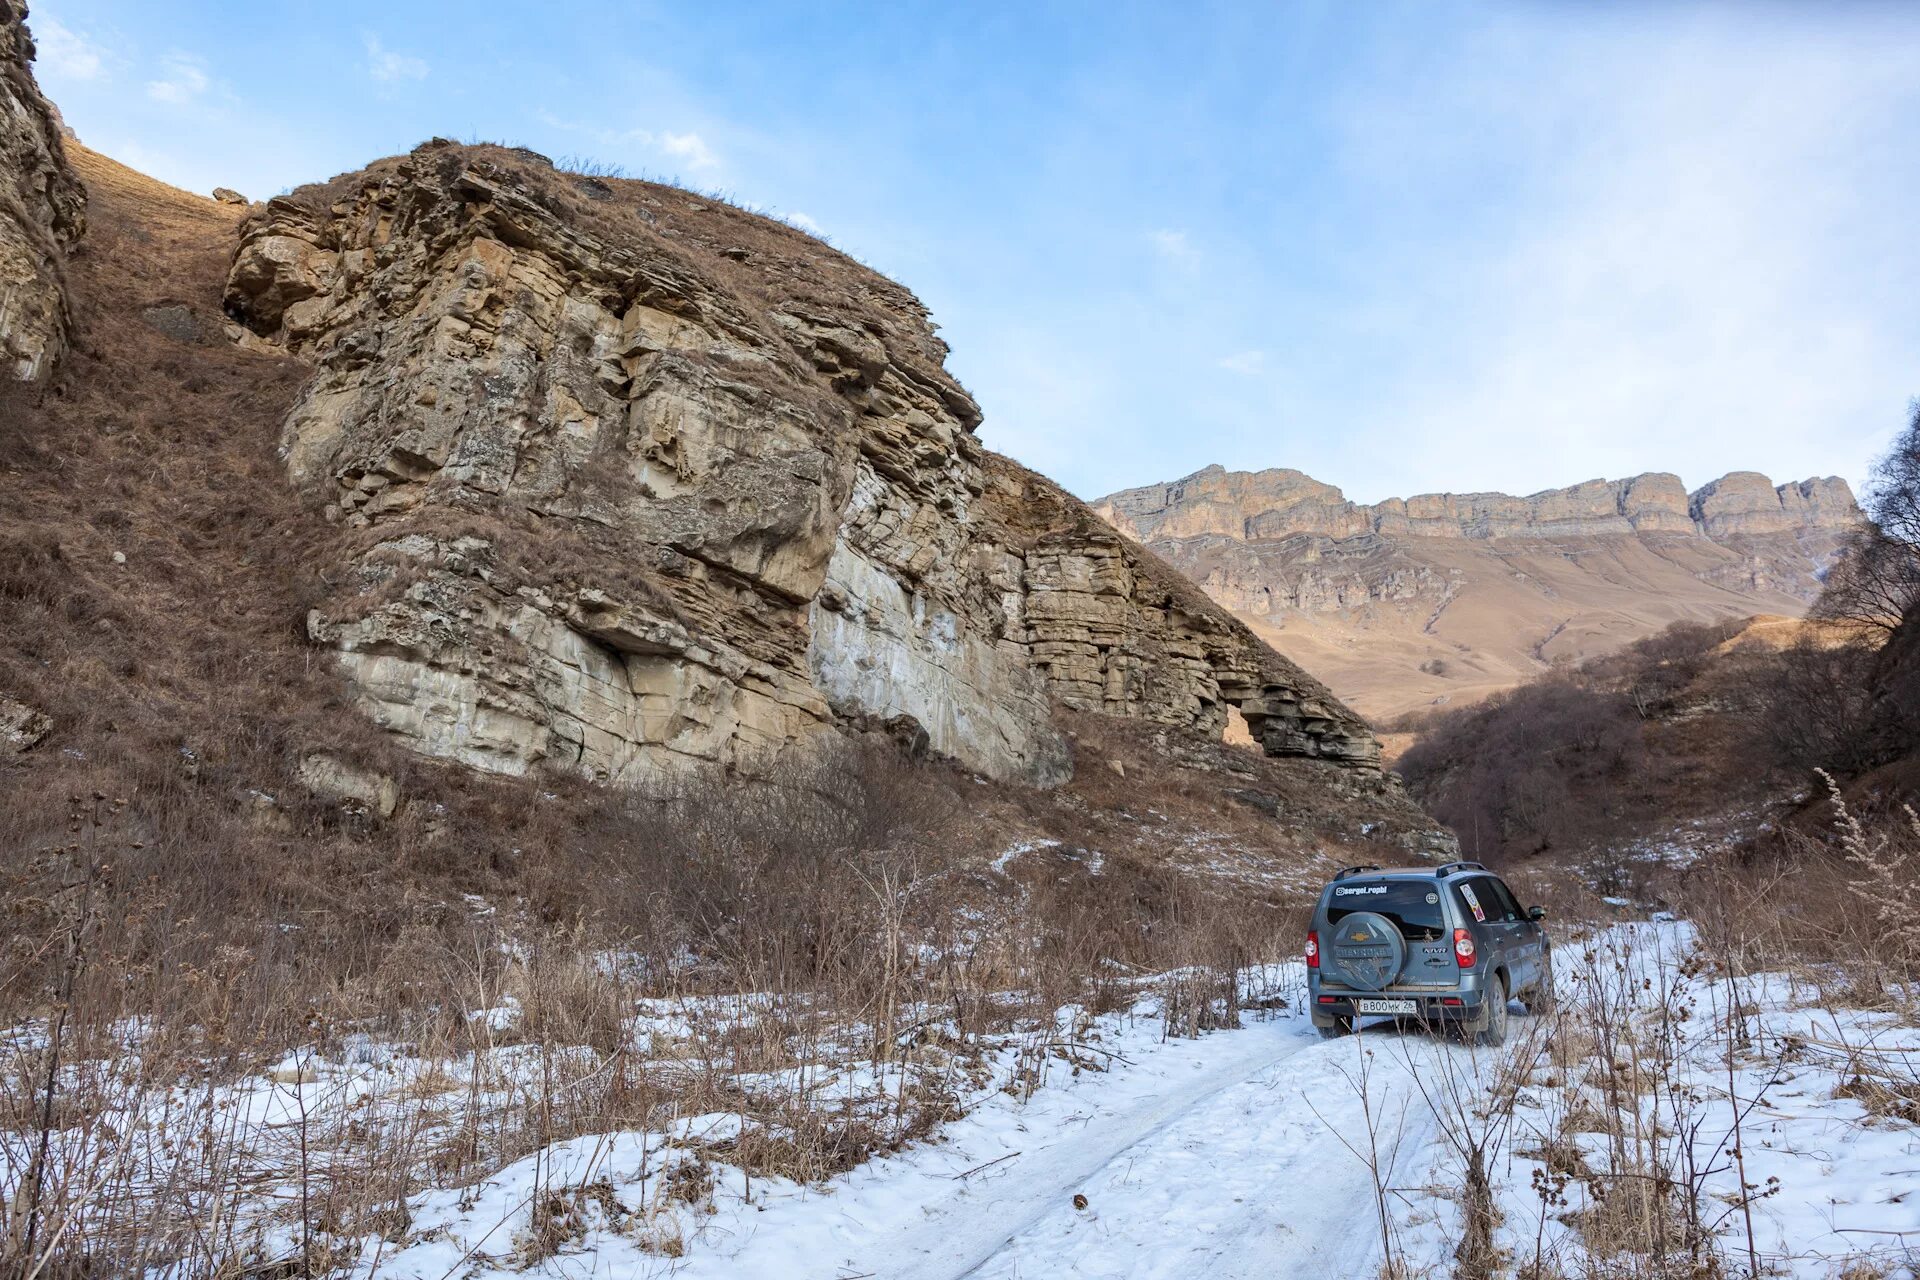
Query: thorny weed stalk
pixel 1385 1129
pixel 35 1226
pixel 1471 1093
pixel 1890 887
pixel 1630 1105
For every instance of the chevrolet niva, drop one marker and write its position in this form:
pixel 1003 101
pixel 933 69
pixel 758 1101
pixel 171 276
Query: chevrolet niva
pixel 1447 944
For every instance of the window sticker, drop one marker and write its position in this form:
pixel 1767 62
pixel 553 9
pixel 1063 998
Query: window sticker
pixel 1359 889
pixel 1433 897
pixel 1473 903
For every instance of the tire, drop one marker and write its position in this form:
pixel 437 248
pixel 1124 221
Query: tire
pixel 1541 1000
pixel 1340 1026
pixel 1491 1030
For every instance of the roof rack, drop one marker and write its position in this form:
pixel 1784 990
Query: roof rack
pixel 1448 868
pixel 1344 872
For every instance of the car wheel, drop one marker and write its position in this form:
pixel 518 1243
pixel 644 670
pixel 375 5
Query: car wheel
pixel 1339 1026
pixel 1540 1000
pixel 1492 1030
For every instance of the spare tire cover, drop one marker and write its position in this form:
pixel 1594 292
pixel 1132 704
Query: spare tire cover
pixel 1367 951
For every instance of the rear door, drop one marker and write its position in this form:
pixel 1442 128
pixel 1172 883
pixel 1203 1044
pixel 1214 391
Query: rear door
pixel 1528 935
pixel 1520 933
pixel 1417 910
pixel 1494 923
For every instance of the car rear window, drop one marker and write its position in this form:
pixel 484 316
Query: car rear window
pixel 1413 905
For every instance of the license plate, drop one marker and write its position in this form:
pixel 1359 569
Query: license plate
pixel 1387 1006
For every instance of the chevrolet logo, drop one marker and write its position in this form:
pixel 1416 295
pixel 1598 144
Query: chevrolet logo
pixel 1361 935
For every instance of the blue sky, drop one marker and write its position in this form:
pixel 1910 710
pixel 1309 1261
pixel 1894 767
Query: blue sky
pixel 1403 248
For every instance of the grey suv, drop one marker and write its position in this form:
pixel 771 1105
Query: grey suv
pixel 1448 943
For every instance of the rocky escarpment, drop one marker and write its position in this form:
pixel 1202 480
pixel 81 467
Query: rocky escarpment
pixel 1278 503
pixel 42 210
pixel 641 479
pixel 1425 600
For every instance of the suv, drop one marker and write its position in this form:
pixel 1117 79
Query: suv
pixel 1446 944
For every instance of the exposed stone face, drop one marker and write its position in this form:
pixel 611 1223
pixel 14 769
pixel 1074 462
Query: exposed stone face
pixel 648 482
pixel 1437 598
pixel 331 778
pixel 1265 505
pixel 42 210
pixel 1746 502
pixel 21 727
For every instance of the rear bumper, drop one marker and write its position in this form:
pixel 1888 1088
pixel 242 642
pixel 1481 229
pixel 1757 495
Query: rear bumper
pixel 1429 1003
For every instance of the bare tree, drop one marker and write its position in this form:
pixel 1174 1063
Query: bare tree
pixel 1876 581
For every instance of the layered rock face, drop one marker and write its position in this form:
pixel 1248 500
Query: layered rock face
pixel 1266 505
pixel 645 480
pixel 42 210
pixel 1441 597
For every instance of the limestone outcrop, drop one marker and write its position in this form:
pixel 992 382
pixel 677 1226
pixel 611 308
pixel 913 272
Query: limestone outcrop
pixel 42 210
pixel 1436 598
pixel 1265 505
pixel 642 479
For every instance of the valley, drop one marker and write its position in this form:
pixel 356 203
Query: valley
pixel 1442 599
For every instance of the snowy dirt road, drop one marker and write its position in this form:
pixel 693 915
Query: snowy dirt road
pixel 1221 1157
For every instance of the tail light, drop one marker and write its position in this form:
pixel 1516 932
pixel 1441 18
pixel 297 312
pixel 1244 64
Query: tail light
pixel 1313 950
pixel 1463 948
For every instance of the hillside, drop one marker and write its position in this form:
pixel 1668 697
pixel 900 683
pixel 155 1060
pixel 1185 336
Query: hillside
pixel 465 531
pixel 1441 599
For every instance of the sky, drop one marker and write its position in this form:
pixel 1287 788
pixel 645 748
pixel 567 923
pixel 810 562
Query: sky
pixel 1422 247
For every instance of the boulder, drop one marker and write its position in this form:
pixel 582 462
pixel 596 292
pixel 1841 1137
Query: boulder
pixel 332 778
pixel 21 727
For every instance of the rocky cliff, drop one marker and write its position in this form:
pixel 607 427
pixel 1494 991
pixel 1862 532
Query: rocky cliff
pixel 1267 505
pixel 42 210
pixel 639 479
pixel 1446 597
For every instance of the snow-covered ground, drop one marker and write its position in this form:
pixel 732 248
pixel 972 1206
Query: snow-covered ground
pixel 1248 1153
pixel 1189 1156
pixel 1261 1151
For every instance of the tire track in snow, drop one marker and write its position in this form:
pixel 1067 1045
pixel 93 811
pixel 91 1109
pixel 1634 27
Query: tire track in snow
pixel 957 1236
pixel 1230 1174
pixel 1251 1182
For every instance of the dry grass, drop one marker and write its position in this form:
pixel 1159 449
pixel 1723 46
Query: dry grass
pixel 534 960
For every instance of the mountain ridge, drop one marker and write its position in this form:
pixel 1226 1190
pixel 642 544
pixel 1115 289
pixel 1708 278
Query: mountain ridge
pixel 1652 501
pixel 1443 598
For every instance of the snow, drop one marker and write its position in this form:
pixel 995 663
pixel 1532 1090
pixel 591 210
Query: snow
pixel 1013 852
pixel 1235 1154
pixel 1178 1149
pixel 1827 1184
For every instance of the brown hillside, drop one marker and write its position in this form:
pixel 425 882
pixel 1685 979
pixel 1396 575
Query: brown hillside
pixel 157 574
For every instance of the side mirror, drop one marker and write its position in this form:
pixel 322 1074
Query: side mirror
pixel 1536 913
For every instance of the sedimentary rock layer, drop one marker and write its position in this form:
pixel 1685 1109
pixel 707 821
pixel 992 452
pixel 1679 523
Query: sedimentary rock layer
pixel 1266 505
pixel 1439 598
pixel 645 480
pixel 42 210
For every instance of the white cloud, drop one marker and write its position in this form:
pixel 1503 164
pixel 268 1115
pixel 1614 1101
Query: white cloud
pixel 804 222
pixel 688 148
pixel 1247 363
pixel 66 54
pixel 388 67
pixel 182 80
pixel 1697 276
pixel 1174 246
